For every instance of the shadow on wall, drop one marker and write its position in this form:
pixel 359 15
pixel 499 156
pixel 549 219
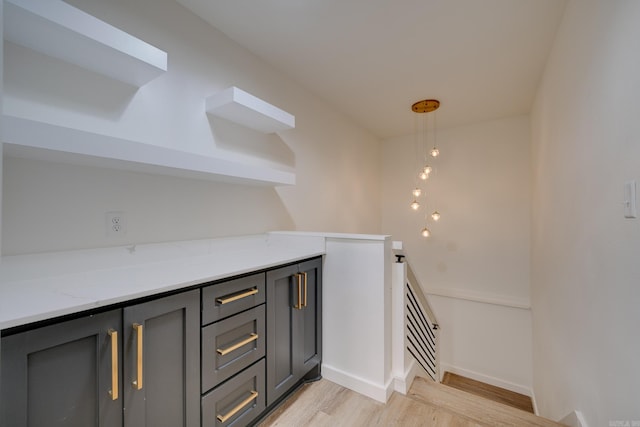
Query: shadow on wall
pixel 45 80
pixel 241 140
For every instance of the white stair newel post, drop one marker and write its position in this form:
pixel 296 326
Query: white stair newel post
pixel 399 359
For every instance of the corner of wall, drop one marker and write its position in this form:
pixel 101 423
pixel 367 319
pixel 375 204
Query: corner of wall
pixel 574 419
pixel 378 392
pixel 403 383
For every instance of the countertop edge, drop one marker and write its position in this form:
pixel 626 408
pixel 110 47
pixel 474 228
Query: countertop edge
pixel 31 300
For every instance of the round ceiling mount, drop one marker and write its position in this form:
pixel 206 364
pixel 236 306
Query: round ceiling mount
pixel 425 106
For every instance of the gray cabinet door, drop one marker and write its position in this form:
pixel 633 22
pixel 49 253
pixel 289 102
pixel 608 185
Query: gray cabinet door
pixel 283 332
pixel 311 313
pixel 168 329
pixel 61 375
pixel 294 336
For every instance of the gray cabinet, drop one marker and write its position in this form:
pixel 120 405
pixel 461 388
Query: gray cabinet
pixel 161 349
pixel 61 375
pixel 226 353
pixel 233 350
pixel 236 402
pixel 101 370
pixel 231 345
pixel 294 308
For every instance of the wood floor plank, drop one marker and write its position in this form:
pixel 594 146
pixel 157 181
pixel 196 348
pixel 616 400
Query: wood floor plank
pixel 488 391
pixel 474 408
pixel 326 404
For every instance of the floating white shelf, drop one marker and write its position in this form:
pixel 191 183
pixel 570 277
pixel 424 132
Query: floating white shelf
pixel 62 31
pixel 32 139
pixel 247 110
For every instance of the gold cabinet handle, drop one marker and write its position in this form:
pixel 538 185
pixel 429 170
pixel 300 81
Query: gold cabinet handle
pixel 238 407
pixel 298 304
pixel 305 289
pixel 228 299
pixel 223 351
pixel 114 364
pixel 137 383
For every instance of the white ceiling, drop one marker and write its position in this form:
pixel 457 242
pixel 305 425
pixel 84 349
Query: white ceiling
pixel 371 59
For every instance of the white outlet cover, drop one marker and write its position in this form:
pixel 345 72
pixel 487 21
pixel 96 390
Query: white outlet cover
pixel 115 223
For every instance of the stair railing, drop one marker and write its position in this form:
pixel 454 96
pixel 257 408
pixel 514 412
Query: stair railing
pixel 415 327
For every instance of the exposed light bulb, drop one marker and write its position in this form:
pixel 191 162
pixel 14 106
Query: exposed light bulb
pixel 435 152
pixel 425 232
pixel 435 215
pixel 423 175
pixel 415 205
pixel 427 169
pixel 417 192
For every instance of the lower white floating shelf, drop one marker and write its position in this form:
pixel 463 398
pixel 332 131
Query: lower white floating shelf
pixel 33 139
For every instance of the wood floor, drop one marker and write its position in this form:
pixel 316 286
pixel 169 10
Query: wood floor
pixel 325 404
pixel 487 391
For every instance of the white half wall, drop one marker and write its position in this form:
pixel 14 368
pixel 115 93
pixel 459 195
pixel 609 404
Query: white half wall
pixel 586 274
pixel 356 325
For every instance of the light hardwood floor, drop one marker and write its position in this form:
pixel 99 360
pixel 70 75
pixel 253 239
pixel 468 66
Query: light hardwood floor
pixel 488 391
pixel 324 403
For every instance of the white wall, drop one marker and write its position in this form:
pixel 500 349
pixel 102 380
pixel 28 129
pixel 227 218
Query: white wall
pixel 586 275
pixel 487 342
pixel 51 206
pixel 356 325
pixel 478 250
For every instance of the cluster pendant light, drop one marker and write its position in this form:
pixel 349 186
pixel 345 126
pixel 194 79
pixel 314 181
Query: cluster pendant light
pixel 422 155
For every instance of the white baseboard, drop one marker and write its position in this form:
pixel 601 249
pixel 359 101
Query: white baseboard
pixel 534 402
pixel 378 392
pixel 574 419
pixel 518 388
pixel 403 383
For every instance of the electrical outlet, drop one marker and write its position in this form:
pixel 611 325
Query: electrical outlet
pixel 116 224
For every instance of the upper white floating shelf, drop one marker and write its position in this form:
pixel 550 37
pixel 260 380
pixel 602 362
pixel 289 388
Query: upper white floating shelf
pixel 247 110
pixel 62 31
pixel 43 141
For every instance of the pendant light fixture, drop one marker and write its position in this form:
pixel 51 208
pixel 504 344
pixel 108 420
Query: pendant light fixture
pixel 423 154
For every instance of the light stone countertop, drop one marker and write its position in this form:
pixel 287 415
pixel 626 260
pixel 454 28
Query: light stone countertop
pixel 43 286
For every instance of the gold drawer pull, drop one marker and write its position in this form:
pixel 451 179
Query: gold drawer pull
pixel 238 407
pixel 114 364
pixel 227 300
pixel 137 383
pixel 223 351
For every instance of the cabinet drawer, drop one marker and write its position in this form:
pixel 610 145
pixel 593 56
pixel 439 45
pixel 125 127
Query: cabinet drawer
pixel 231 345
pixel 228 298
pixel 238 401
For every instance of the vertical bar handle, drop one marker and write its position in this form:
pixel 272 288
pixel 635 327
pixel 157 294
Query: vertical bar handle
pixel 114 364
pixel 298 303
pixel 305 289
pixel 137 383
